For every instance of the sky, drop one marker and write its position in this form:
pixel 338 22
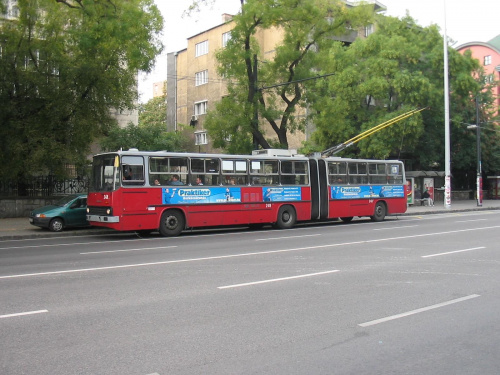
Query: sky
pixel 466 21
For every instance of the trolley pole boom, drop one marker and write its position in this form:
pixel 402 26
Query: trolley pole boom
pixel 336 149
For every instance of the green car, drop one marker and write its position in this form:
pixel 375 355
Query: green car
pixel 69 211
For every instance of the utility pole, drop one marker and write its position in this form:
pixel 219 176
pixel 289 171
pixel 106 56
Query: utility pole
pixel 447 157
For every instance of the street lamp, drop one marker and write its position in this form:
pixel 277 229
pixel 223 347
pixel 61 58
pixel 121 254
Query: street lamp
pixel 479 177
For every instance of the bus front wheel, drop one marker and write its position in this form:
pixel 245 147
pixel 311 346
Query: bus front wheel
pixel 172 223
pixel 287 217
pixel 379 213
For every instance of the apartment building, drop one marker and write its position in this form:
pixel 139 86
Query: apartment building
pixel 489 55
pixel 193 86
pixel 159 89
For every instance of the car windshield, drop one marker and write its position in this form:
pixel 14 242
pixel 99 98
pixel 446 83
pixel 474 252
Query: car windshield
pixel 65 200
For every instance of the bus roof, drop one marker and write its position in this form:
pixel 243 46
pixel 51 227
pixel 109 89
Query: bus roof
pixel 136 152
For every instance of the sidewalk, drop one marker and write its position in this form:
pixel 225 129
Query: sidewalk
pixel 20 228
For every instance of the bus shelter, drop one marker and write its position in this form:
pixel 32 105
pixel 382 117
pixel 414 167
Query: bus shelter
pixel 425 180
pixel 494 187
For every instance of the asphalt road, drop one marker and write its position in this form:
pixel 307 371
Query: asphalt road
pixel 414 295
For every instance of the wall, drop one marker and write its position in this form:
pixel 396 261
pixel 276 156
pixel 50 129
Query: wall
pixel 21 207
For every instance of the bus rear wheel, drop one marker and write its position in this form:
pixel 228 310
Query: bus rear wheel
pixel 379 213
pixel 172 223
pixel 287 217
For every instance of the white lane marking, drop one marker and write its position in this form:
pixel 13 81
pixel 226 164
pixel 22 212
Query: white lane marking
pixel 243 254
pixel 470 221
pixel 73 244
pixel 285 238
pixel 119 251
pixel 393 317
pixel 394 228
pixel 279 279
pixel 453 252
pixel 23 313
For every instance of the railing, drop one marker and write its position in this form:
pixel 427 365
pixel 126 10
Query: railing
pixel 43 186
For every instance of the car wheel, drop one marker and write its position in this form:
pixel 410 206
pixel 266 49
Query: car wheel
pixel 287 217
pixel 380 211
pixel 56 225
pixel 172 223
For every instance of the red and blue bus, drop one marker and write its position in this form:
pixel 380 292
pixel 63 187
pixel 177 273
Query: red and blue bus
pixel 169 192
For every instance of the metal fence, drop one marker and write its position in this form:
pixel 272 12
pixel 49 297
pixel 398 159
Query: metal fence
pixel 43 186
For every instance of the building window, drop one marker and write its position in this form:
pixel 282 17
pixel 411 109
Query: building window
pixel 201 78
pixel 489 78
pixel 200 138
pixel 369 30
pixel 226 37
pixel 487 60
pixel 200 108
pixel 201 48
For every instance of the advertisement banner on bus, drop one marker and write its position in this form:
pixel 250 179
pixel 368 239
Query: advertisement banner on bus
pixel 372 191
pixel 179 195
pixel 201 195
pixel 280 194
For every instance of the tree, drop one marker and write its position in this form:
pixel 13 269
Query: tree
pixel 308 27
pixel 154 112
pixel 394 70
pixel 147 137
pixel 150 135
pixel 64 65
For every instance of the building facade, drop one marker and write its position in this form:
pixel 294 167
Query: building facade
pixel 193 86
pixel 488 55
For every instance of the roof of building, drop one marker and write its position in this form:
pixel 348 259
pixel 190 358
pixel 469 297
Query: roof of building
pixel 495 42
pixel 483 44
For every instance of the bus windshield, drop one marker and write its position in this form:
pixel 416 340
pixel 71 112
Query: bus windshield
pixel 104 174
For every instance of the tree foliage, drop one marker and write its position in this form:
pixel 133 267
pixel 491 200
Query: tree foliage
pixel 146 137
pixel 151 133
pixel 308 26
pixel 396 69
pixel 154 112
pixel 63 66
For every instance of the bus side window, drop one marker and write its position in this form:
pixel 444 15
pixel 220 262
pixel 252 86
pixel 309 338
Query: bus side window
pixel 133 170
pixel 294 172
pixel 287 180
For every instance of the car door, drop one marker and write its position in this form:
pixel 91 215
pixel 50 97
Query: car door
pixel 76 212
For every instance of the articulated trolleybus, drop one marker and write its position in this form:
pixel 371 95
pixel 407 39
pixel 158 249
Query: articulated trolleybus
pixel 170 192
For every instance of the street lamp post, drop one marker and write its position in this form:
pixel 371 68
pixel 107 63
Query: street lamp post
pixel 479 178
pixel 479 175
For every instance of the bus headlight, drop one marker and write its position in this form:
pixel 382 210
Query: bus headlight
pixel 108 211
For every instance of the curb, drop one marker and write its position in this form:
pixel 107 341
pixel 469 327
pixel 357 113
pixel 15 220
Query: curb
pixel 67 233
pixel 98 231
pixel 445 211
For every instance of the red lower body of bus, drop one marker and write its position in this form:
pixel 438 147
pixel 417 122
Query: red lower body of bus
pixel 139 209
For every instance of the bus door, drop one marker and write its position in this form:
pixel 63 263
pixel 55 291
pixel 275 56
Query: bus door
pixel 323 189
pixel 319 189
